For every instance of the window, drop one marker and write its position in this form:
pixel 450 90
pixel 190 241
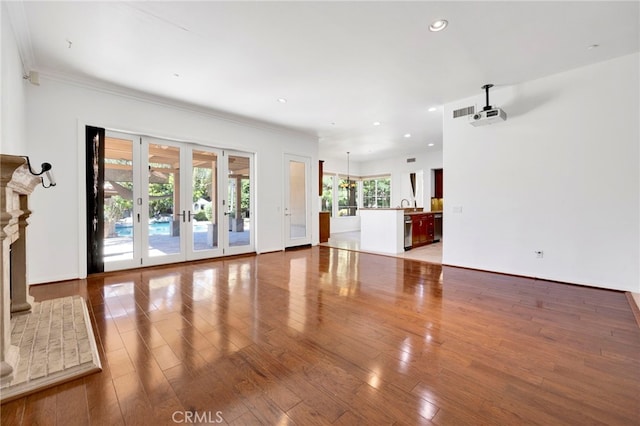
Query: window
pixel 376 192
pixel 343 198
pixel 327 194
pixel 347 197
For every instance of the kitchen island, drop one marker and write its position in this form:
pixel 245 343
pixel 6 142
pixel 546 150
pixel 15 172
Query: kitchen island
pixel 383 230
pixel 394 230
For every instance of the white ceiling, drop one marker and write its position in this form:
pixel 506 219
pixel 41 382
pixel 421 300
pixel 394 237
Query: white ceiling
pixel 340 65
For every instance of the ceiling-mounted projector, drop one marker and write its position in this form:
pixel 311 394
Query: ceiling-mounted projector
pixel 488 115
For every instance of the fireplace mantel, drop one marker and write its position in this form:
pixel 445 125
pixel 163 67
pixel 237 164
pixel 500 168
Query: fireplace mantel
pixel 17 182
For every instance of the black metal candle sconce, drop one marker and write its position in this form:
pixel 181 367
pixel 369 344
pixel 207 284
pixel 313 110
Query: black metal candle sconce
pixel 46 169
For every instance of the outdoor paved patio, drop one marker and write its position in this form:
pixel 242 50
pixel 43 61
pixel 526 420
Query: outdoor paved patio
pixel 121 248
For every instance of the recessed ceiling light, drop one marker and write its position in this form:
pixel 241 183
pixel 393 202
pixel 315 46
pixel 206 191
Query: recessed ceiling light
pixel 432 109
pixel 438 25
pixel 430 144
pixel 407 135
pixel 282 100
pixel 376 123
pixel 593 46
pixel 175 74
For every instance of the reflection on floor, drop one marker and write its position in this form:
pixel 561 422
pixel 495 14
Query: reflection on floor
pixel 431 253
pixel 324 336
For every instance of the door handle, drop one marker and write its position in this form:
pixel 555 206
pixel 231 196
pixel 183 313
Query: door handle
pixel 189 220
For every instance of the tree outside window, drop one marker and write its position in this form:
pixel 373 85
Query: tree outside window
pixel 345 194
pixel 347 197
pixel 327 194
pixel 376 192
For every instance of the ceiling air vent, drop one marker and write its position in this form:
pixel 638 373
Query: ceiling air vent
pixel 411 160
pixel 463 112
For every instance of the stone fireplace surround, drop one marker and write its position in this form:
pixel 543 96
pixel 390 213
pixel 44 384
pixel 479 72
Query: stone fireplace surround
pixel 37 355
pixel 16 184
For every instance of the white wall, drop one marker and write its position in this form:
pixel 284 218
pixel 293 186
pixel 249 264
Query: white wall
pixel 12 93
pixel 560 175
pixel 59 110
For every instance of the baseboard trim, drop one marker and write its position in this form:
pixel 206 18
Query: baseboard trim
pixel 634 306
pixel 551 280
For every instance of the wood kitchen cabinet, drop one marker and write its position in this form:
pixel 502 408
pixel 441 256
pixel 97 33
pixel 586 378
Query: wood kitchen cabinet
pixel 417 231
pixel 430 229
pixel 325 226
pixel 438 183
pixel 422 229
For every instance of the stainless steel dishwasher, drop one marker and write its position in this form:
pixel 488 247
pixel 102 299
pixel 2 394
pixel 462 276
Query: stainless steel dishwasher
pixel 408 233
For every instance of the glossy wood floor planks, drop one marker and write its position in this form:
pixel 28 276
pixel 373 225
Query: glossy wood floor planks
pixel 328 336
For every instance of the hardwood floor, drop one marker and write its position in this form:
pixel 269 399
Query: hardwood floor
pixel 329 336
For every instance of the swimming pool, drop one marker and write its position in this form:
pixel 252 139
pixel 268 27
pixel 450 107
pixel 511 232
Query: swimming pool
pixel 156 228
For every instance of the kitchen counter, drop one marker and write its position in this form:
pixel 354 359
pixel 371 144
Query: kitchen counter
pixel 413 213
pixel 407 210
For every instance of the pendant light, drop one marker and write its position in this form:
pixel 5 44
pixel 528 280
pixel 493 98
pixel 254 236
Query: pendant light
pixel 348 185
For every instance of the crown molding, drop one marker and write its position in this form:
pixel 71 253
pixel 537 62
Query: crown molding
pixel 137 95
pixel 19 24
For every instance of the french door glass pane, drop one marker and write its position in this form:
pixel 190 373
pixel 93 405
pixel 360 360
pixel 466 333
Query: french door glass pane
pixel 118 200
pixel 204 223
pixel 297 200
pixel 164 200
pixel 238 208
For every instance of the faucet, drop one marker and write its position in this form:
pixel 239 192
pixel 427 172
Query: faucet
pixel 402 202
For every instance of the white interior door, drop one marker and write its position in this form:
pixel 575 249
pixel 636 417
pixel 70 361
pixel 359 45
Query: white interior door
pixel 297 205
